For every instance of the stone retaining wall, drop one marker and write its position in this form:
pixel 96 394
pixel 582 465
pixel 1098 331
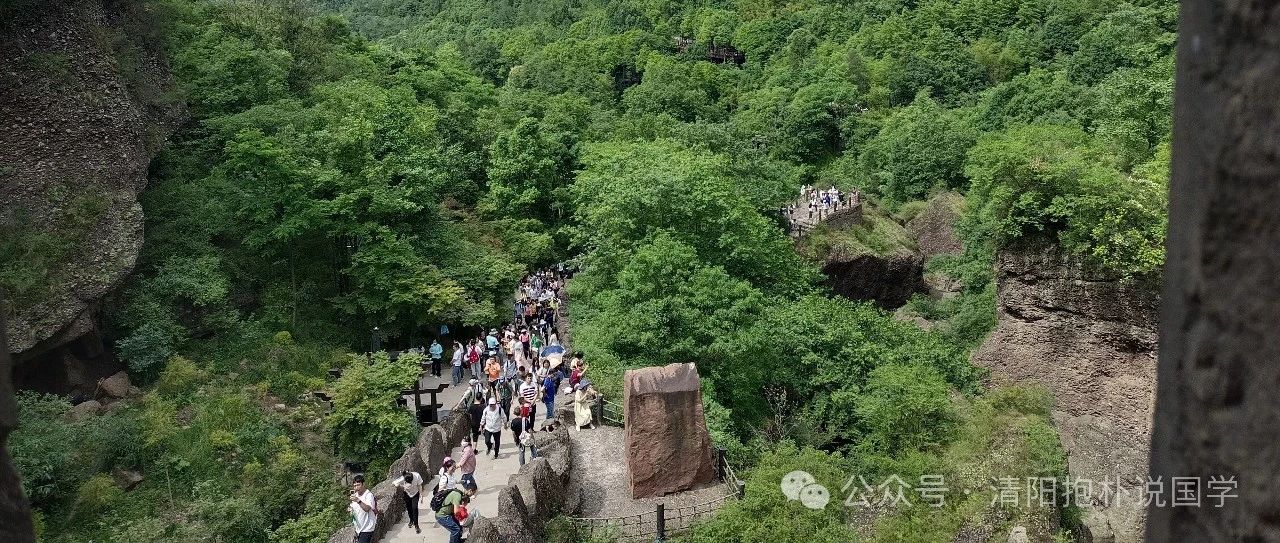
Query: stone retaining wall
pixel 425 457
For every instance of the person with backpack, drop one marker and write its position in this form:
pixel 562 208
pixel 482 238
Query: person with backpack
pixel 522 431
pixel 364 510
pixel 410 482
pixel 504 396
pixel 473 357
pixel 448 502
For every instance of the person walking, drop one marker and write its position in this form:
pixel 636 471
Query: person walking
pixel 493 371
pixel 522 432
pixel 410 482
pixel 549 394
pixel 456 361
pixel 504 396
pixel 491 423
pixel 529 395
pixel 436 352
pixel 475 412
pixel 467 463
pixel 473 357
pixel 444 515
pixel 363 508
pixel 446 476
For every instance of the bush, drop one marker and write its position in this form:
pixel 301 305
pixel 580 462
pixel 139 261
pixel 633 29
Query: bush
pixel 180 377
pixel 95 495
pixel 906 408
pixel 366 424
pixel 149 346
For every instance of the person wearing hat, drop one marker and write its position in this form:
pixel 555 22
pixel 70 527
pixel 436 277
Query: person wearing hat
pixel 492 422
pixel 467 463
pixel 476 391
pixel 491 341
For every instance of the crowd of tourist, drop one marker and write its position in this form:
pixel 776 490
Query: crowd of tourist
pixel 820 203
pixel 509 370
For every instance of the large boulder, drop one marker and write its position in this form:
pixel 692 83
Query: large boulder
pixel 79 135
pixel 514 522
pixel 888 281
pixel 117 386
pixel 84 410
pixel 668 446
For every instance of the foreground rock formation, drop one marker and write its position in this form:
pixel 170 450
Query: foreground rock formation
pixel 15 511
pixel 1217 405
pixel 1091 340
pixel 87 101
pixel 668 446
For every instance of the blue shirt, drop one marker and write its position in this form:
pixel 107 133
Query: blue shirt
pixel 436 350
pixel 491 341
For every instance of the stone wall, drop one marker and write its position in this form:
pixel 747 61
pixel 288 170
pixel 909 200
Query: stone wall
pixel 425 457
pixel 1217 406
pixel 536 493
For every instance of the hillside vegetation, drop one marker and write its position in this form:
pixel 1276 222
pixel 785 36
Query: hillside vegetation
pixel 400 164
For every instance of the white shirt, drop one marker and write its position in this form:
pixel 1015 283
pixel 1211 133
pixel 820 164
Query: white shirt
pixel 410 485
pixel 492 419
pixel 361 519
pixel 446 481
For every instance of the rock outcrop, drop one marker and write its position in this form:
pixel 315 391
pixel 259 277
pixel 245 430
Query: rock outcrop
pixel 87 102
pixel 15 512
pixel 1091 340
pixel 934 228
pixel 889 281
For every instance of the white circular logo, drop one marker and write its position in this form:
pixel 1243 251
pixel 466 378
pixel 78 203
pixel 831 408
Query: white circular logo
pixel 815 496
pixel 793 482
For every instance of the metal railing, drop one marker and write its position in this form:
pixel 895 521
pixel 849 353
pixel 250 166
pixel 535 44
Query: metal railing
pixel 649 526
pixel 661 522
pixel 611 414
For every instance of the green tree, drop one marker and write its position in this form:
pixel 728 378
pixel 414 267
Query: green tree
pixel 919 147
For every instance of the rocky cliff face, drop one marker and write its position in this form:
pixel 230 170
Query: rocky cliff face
pixel 1091 340
pixel 87 100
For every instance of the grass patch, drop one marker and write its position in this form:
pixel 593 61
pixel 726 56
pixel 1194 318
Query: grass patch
pixel 33 259
pixel 876 234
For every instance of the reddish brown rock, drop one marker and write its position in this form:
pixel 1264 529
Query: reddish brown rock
pixel 668 447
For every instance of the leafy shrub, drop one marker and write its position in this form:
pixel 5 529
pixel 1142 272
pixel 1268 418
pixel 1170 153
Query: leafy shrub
pixel 366 424
pixel 906 408
pixel 180 377
pixel 95 495
pixel 148 347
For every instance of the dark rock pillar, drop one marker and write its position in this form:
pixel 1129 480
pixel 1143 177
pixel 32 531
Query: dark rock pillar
pixel 1217 401
pixel 15 512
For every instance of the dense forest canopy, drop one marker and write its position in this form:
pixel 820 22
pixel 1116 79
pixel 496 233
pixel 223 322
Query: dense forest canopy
pixel 352 164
